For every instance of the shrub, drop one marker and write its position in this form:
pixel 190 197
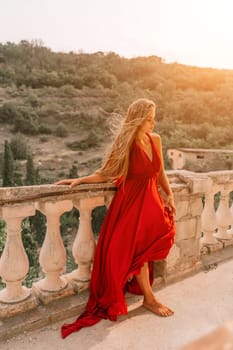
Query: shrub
pixel 73 172
pixel 9 112
pixel 61 130
pixel 12 90
pixel 28 127
pixel 92 140
pixel 45 129
pixel 44 139
pixel 68 90
pixel 98 215
pixel 33 100
pixel 19 147
pixel 69 220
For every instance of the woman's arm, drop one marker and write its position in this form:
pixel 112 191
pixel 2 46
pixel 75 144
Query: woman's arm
pixel 163 180
pixel 93 178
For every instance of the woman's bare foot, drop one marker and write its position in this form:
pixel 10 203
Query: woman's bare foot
pixel 157 308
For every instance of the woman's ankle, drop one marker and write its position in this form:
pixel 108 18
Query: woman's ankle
pixel 149 298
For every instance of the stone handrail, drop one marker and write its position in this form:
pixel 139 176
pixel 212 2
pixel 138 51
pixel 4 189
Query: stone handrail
pixel 197 230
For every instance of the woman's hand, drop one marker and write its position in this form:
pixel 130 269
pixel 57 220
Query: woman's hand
pixel 70 182
pixel 169 202
pixel 90 179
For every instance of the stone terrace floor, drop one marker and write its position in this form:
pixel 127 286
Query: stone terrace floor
pixel 201 302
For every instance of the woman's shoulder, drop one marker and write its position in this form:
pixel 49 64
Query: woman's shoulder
pixel 156 138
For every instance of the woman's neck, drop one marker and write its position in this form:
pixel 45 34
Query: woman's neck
pixel 142 137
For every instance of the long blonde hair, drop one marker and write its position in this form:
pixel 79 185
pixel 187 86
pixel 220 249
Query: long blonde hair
pixel 116 163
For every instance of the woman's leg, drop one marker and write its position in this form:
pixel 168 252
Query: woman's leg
pixel 150 302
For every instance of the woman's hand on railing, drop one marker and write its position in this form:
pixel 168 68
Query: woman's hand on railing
pixel 89 179
pixel 70 182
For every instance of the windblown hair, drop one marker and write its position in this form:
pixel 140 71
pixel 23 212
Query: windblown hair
pixel 116 163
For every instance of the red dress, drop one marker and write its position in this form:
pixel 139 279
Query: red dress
pixel 137 229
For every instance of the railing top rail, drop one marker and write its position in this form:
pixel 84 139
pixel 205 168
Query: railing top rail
pixel 179 179
pixel 14 195
pixel 203 182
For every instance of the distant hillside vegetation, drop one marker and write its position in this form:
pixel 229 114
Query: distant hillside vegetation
pixel 61 102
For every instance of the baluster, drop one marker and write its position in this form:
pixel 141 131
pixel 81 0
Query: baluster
pixel 14 264
pixel 223 216
pixel 108 200
pixel 208 220
pixel 84 244
pixel 53 254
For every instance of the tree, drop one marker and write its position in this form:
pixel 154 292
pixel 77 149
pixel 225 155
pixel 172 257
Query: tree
pixel 2 243
pixel 31 249
pixel 29 242
pixel 32 174
pixel 8 166
pixel 38 227
pixel 2 236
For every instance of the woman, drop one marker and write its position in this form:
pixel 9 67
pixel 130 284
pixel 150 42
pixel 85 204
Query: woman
pixel 138 227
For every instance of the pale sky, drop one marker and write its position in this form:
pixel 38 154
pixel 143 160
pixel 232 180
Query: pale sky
pixel 193 32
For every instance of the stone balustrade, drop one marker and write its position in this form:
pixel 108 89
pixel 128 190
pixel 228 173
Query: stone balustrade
pixel 200 229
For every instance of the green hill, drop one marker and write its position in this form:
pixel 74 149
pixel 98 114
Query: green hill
pixel 61 103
